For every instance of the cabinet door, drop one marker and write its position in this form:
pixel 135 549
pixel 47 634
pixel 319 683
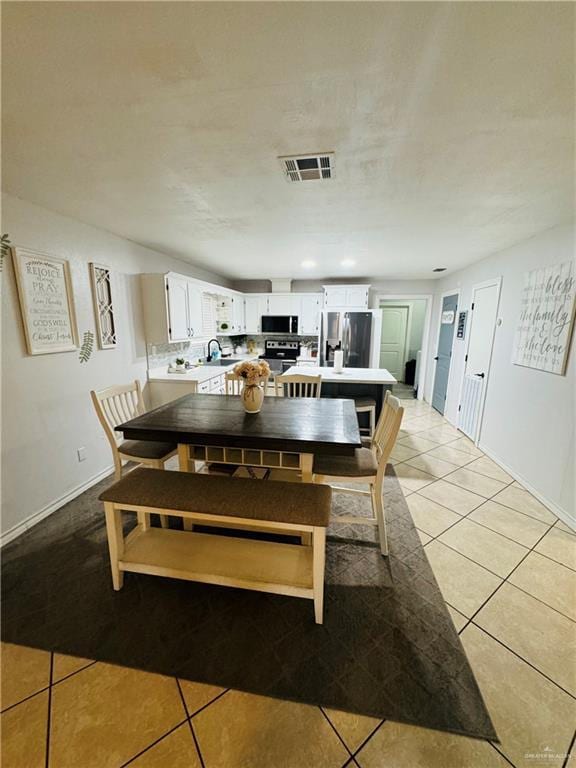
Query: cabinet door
pixel 178 321
pixel 255 307
pixel 194 310
pixel 335 296
pixel 238 314
pixel 280 304
pixel 310 315
pixel 357 297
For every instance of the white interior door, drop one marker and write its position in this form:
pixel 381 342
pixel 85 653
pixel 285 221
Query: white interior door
pixel 393 340
pixel 483 315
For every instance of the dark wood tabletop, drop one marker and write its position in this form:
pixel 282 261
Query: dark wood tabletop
pixel 303 425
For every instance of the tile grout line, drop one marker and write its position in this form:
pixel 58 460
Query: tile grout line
pixel 570 748
pixel 153 743
pixel 189 720
pixel 49 713
pixel 367 739
pixel 501 754
pixel 26 698
pixel 331 724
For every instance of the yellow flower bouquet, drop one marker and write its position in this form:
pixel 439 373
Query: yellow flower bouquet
pixel 254 374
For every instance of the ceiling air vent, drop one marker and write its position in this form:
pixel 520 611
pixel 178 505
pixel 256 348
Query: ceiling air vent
pixel 308 167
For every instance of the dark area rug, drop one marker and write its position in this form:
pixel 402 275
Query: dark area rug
pixel 387 647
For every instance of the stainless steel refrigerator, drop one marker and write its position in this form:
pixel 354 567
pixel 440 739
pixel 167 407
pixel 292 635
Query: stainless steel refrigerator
pixel 349 331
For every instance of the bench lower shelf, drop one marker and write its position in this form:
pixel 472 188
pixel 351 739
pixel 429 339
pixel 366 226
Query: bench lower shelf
pixel 244 563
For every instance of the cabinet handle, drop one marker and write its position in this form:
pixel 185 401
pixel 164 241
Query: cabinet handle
pixel 191 331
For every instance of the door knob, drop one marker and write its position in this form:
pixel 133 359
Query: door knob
pixel 480 375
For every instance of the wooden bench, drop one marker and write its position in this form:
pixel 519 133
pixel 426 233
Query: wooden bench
pixel 277 507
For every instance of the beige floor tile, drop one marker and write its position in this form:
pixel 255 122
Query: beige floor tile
pixel 105 714
pixel 24 730
pixel 472 481
pixel 549 581
pixel 430 517
pixel 453 455
pixel 439 435
pixel 563 527
pixel 458 618
pixel 523 529
pixel 177 750
pixel 489 468
pixel 66 665
pixel 417 442
pixel 560 546
pixel 485 547
pixel 197 695
pixel 402 453
pixel 24 672
pixel 395 745
pixel 524 706
pixel 538 634
pixel 522 501
pixel 464 584
pixel 432 465
pixel 411 478
pixel 463 444
pixel 452 496
pixel 353 729
pixel 242 730
pixel 424 537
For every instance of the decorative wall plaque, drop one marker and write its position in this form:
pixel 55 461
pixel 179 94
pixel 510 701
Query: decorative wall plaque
pixel 103 308
pixel 546 318
pixel 45 293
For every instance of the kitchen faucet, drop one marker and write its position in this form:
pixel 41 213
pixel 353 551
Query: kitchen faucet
pixel 209 355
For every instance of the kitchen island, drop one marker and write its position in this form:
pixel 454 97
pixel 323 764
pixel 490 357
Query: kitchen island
pixel 351 382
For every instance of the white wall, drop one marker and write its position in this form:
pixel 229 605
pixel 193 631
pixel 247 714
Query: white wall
pixel 46 409
pixel 528 423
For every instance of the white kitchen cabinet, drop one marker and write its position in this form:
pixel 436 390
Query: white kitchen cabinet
pixel 177 295
pixel 195 311
pixel 237 314
pixel 309 322
pixel 281 304
pixel 346 296
pixel 255 306
pixel 172 306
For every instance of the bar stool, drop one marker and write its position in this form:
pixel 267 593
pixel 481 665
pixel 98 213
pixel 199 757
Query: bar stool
pixel 367 405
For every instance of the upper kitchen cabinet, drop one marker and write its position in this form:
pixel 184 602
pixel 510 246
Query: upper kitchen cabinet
pixel 309 316
pixel 283 304
pixel 231 314
pixel 255 305
pixel 346 296
pixel 172 308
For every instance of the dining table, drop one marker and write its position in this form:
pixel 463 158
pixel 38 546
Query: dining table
pixel 284 435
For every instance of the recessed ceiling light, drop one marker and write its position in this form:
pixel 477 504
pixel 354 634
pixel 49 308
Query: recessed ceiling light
pixel 348 263
pixel 439 269
pixel 308 264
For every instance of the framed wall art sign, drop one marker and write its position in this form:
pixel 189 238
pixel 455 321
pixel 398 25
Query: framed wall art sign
pixel 546 318
pixel 100 277
pixel 46 301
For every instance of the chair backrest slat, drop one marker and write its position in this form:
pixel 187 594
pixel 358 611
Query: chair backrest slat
pixel 234 383
pixel 387 428
pixel 115 405
pixel 297 385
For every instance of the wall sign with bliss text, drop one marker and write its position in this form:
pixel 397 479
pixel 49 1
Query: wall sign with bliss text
pixel 546 318
pixel 45 293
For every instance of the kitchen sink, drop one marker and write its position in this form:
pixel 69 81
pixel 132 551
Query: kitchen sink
pixel 224 361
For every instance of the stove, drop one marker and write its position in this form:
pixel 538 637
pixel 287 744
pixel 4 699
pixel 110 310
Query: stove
pixel 280 354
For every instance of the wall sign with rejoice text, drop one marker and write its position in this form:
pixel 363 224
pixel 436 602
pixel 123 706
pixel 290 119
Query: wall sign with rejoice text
pixel 45 292
pixel 546 318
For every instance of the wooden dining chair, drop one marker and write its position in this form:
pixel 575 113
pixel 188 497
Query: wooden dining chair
pixel 368 465
pixel 118 404
pixel 297 385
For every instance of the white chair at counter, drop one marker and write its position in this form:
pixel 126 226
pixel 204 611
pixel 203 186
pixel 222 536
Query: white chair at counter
pixel 116 405
pixel 368 465
pixel 234 383
pixel 297 385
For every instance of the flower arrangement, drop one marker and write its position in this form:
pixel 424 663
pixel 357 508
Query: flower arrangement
pixel 252 372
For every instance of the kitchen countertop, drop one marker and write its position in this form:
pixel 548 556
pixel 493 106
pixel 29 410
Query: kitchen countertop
pixel 348 375
pixel 199 373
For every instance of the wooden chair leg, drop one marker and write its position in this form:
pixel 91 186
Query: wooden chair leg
pixel 378 509
pixel 318 563
pixel 117 467
pixel 115 542
pixel 372 421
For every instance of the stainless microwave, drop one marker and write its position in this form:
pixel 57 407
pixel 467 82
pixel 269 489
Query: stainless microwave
pixel 279 324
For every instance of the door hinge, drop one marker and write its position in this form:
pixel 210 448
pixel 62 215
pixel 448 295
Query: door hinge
pixel 466 359
pixel 472 305
pixel 459 408
pixel 167 286
pixel 170 330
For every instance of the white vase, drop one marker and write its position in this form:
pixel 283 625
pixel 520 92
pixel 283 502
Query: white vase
pixel 252 398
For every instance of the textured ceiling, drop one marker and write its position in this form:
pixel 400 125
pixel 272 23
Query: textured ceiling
pixel 161 122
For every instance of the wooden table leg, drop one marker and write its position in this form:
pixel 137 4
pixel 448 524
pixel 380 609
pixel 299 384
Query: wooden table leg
pixel 306 464
pixel 185 463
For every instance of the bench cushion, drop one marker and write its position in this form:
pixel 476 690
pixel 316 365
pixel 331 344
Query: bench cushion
pixel 364 402
pixel 362 464
pixel 146 449
pixel 278 501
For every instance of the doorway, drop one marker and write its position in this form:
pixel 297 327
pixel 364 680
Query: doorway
pixel 444 352
pixel 403 321
pixel 483 314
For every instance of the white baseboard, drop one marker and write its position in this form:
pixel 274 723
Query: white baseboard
pixel 36 517
pixel 554 508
